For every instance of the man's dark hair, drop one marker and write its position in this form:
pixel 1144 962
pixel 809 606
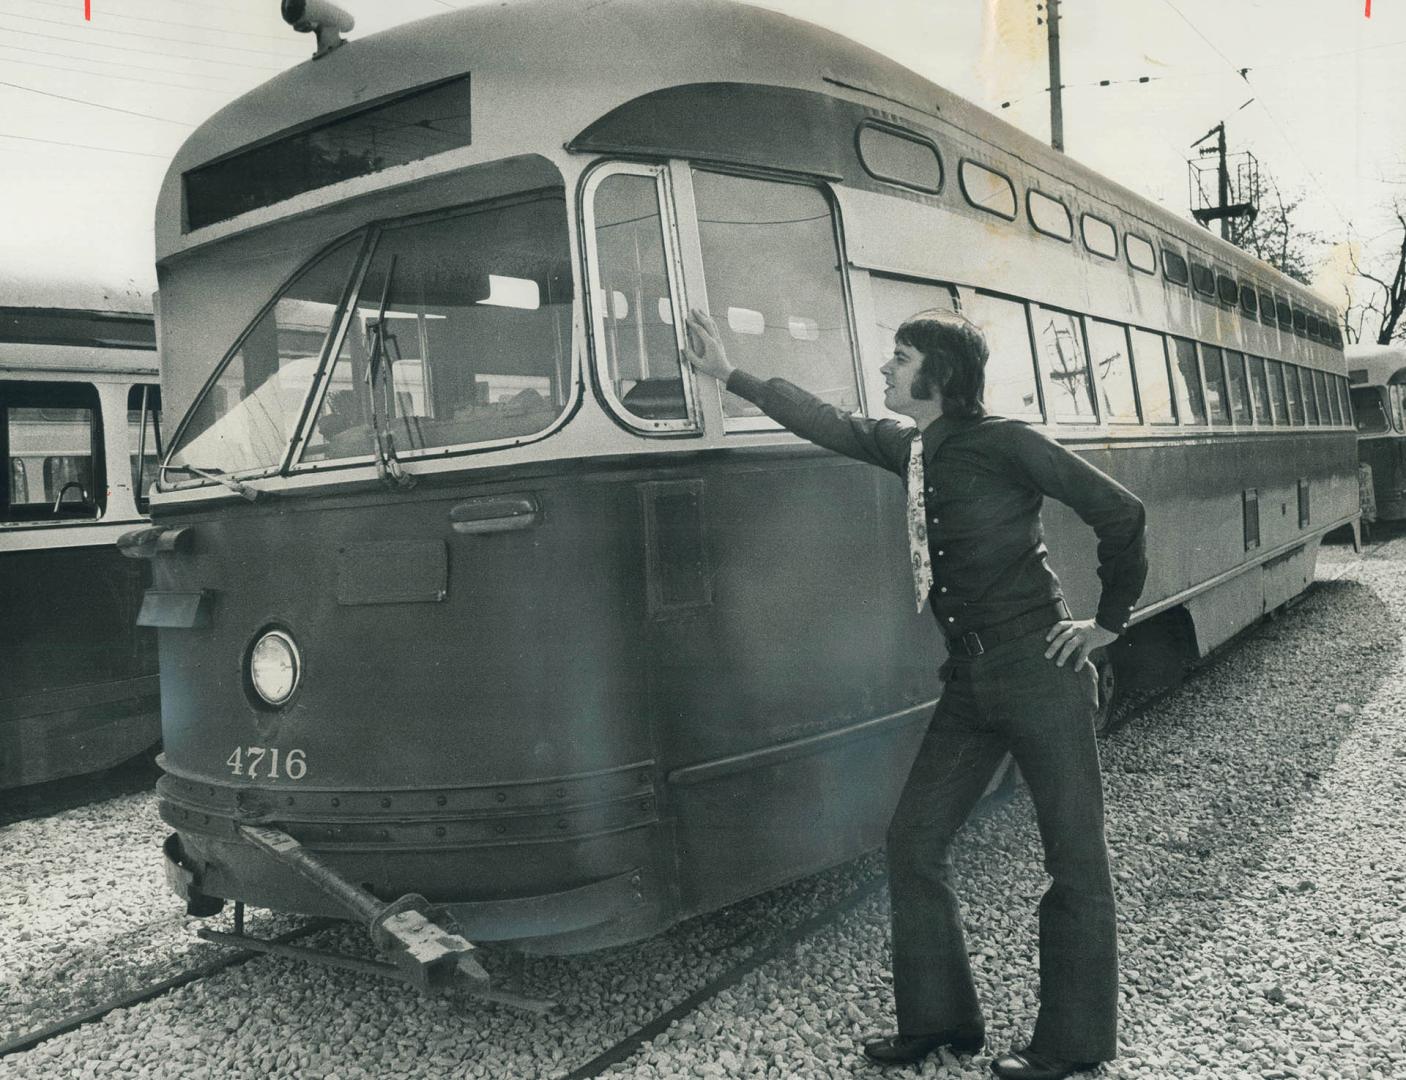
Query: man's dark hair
pixel 954 360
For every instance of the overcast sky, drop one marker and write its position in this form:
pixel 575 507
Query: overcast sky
pixel 90 112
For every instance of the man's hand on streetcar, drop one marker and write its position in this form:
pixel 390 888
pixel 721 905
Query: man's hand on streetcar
pixel 1076 638
pixel 704 348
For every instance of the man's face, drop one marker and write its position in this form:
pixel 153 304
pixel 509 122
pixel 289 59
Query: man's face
pixel 898 375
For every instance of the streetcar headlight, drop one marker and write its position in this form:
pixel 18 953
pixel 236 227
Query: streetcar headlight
pixel 274 667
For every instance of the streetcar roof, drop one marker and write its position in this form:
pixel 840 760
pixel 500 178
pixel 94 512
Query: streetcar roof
pixel 520 55
pixel 1375 365
pixel 112 297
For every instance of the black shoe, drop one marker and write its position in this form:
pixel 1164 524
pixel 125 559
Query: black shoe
pixel 910 1049
pixel 1031 1065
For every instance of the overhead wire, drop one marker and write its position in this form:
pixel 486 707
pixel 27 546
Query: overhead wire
pixel 149 37
pixel 233 83
pixel 83 146
pixel 145 52
pixel 1190 73
pixel 67 6
pixel 126 78
pixel 95 104
pixel 1244 74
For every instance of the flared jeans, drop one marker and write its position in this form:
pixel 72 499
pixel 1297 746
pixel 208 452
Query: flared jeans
pixel 1008 699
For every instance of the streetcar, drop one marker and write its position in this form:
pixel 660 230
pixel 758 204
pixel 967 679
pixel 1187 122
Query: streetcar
pixel 80 414
pixel 1377 376
pixel 475 602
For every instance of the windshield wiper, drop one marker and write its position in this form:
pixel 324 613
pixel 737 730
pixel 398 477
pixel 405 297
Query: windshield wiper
pixel 388 466
pixel 244 491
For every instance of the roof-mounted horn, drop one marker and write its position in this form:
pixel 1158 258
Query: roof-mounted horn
pixel 326 20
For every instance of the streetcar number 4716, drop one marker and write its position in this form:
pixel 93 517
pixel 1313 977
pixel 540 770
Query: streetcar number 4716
pixel 264 761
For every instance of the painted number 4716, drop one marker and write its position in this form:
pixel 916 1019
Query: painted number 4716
pixel 248 761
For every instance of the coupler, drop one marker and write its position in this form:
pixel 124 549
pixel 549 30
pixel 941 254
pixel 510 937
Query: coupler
pixel 423 953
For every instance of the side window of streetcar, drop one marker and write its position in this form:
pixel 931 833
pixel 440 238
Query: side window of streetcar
pixel 51 438
pixel 459 334
pixel 144 440
pixel 1293 394
pixel 1141 254
pixel 1217 401
pixel 772 263
pixel 1320 390
pixel 1010 370
pixel 1310 393
pixel 987 189
pixel 633 303
pixel 1259 384
pixel 1064 365
pixel 1154 383
pixel 900 157
pixel 898 299
pixel 1099 236
pixel 1108 344
pixel 1174 268
pixel 1278 392
pixel 1239 387
pixel 1048 215
pixel 1334 403
pixel 1186 380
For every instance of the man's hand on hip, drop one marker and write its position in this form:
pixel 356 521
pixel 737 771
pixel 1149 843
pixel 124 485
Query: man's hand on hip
pixel 1076 638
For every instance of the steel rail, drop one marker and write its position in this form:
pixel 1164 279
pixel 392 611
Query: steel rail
pixel 782 943
pixel 30 1040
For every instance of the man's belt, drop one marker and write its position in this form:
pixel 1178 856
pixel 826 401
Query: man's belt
pixel 973 643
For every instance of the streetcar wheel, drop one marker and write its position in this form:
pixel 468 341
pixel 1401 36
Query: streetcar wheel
pixel 1110 693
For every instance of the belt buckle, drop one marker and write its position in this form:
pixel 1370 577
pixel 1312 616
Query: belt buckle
pixel 972 643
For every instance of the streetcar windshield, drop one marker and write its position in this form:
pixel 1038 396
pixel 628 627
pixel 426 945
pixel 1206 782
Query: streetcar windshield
pixel 461 331
pixel 460 334
pixel 245 417
pixel 1368 409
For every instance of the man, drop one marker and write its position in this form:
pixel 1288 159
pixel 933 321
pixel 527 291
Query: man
pixel 1017 679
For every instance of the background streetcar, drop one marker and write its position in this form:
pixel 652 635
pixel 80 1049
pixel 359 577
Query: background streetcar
pixel 80 409
pixel 1378 377
pixel 467 589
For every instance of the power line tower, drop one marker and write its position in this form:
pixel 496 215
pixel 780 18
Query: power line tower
pixel 1237 186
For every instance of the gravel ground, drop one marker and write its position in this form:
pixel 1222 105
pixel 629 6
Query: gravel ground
pixel 1258 850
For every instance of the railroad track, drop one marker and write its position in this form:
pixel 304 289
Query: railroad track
pixel 28 1041
pixel 779 943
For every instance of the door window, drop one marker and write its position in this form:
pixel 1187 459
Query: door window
pixel 633 307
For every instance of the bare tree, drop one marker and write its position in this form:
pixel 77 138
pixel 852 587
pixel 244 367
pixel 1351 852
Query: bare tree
pixel 1275 237
pixel 1382 316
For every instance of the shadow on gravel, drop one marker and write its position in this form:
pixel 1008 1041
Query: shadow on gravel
pixel 136 774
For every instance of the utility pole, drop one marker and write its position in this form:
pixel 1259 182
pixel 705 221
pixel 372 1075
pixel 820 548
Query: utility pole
pixel 1056 101
pixel 1225 211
